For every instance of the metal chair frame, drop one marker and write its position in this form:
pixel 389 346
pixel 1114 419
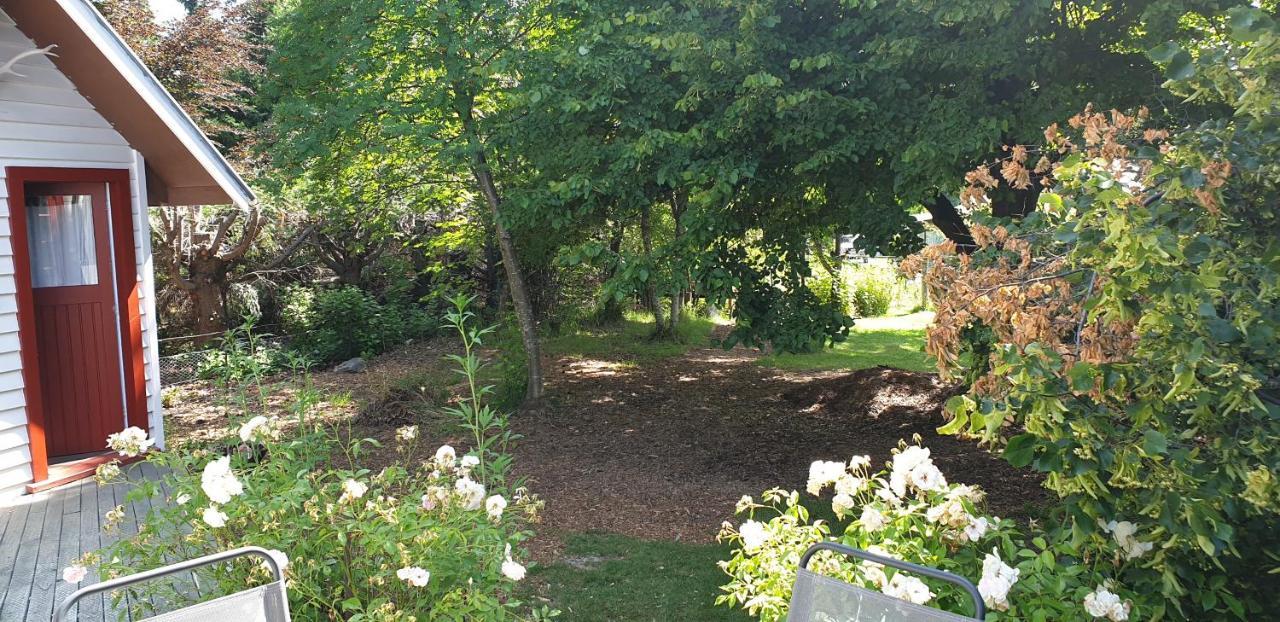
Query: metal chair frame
pixel 62 614
pixel 979 607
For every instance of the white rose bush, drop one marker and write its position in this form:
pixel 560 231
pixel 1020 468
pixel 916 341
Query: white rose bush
pixel 435 534
pixel 910 511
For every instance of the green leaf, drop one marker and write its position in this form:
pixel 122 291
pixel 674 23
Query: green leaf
pixel 1021 450
pixel 1180 67
pixel 1164 52
pixel 1154 443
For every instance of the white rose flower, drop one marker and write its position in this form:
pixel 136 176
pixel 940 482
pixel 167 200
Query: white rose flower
pixel 997 579
pixel 250 428
pixel 976 528
pixel 927 477
pixel 352 490
pixel 74 574
pixel 753 535
pixel 842 503
pixel 182 499
pixel 436 496
pixel 512 569
pixel 214 517
pixel 822 473
pixel 910 458
pixel 445 456
pixel 494 506
pixel 130 442
pixel 850 484
pixel 859 462
pixel 1125 534
pixel 218 482
pixel 1102 603
pixel 470 493
pixel 872 519
pixel 407 433
pixel 908 588
pixel 414 576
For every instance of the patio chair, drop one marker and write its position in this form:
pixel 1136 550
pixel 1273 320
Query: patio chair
pixel 817 598
pixel 265 603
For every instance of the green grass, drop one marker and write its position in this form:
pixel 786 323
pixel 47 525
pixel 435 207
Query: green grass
pixel 895 341
pixel 622 579
pixel 631 340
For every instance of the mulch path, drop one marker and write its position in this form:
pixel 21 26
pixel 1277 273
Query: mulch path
pixel 663 451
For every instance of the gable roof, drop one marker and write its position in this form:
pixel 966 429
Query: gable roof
pixel 183 167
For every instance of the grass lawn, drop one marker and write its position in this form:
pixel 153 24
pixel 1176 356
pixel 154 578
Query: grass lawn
pixel 895 341
pixel 630 340
pixel 609 577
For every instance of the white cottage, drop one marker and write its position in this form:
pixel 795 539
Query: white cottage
pixel 88 140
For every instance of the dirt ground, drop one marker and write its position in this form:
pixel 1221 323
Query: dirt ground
pixel 665 450
pixel 659 450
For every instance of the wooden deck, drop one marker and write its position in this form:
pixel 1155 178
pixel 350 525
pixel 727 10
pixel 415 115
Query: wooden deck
pixel 43 533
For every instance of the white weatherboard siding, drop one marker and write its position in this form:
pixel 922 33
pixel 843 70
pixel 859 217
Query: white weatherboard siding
pixel 45 122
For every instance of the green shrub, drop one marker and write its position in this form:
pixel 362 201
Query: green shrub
pixel 872 290
pixel 434 535
pixel 910 512
pixel 344 322
pixel 1133 322
pixel 242 355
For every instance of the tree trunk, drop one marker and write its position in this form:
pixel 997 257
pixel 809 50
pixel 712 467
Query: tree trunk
pixel 949 221
pixel 492 282
pixel 650 291
pixel 610 310
pixel 209 279
pixel 678 201
pixel 515 278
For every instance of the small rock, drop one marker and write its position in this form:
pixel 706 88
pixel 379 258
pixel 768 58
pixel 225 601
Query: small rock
pixel 351 366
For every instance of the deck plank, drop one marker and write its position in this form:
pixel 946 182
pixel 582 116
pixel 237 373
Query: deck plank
pixel 18 593
pixel 44 533
pixel 9 546
pixel 90 608
pixel 44 581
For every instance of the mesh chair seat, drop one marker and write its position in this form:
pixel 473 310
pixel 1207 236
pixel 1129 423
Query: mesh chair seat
pixel 818 598
pixel 265 603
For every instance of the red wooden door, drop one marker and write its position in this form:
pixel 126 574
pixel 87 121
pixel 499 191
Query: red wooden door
pixel 76 322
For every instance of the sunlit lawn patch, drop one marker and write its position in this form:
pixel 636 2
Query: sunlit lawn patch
pixel 894 341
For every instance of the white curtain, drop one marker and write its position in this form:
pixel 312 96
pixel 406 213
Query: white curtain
pixel 60 238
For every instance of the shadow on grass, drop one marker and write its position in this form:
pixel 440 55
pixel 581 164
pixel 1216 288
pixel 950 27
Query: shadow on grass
pixel 615 578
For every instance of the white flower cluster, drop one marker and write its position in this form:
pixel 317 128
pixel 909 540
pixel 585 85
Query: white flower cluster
pixel 407 433
pixel 220 485
pixel 908 588
pixel 130 442
pixel 913 468
pixel 997 579
pixel 352 490
pixel 218 482
pixel 511 568
pixel 847 480
pixel 260 429
pixel 1102 603
pixel 1126 534
pixel 753 535
pixel 414 576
